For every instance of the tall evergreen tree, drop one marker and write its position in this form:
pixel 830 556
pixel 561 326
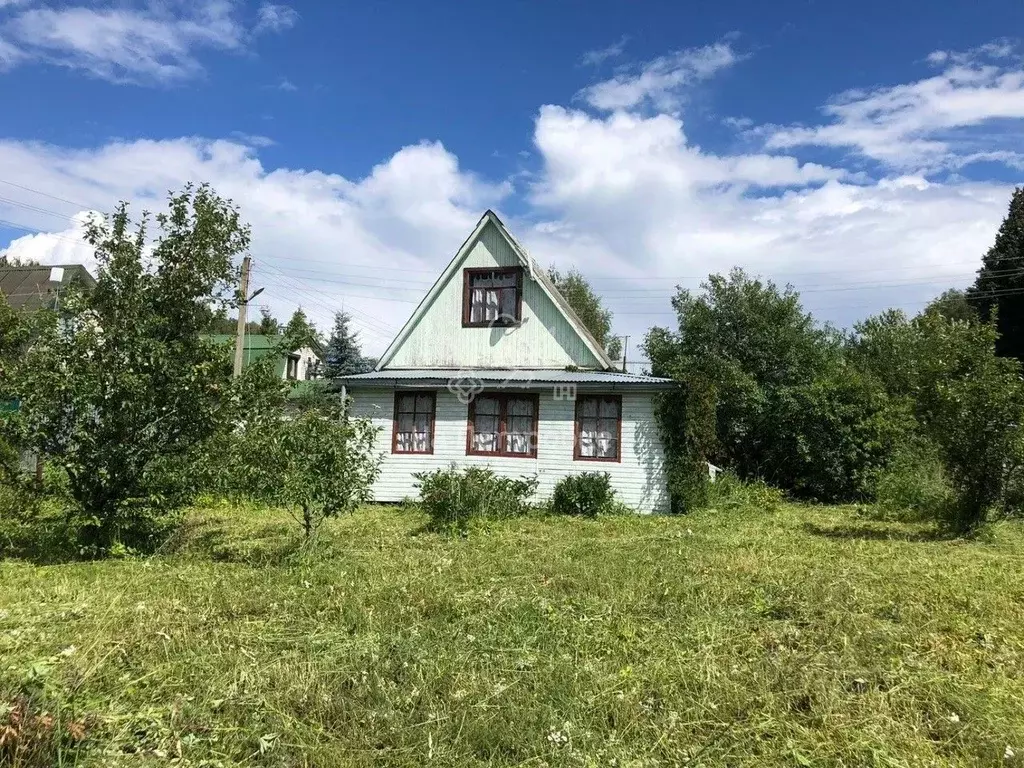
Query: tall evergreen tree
pixel 300 331
pixel 999 287
pixel 343 356
pixel 268 323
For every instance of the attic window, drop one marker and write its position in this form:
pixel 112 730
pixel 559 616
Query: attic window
pixel 492 297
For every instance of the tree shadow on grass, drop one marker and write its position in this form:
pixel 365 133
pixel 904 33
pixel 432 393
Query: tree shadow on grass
pixel 877 532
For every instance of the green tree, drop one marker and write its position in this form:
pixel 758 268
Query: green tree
pixel 971 403
pixel 998 290
pixel 967 402
pixel 120 386
pixel 301 331
pixel 316 464
pixel 786 409
pixel 268 323
pixel 343 356
pixel 587 305
pixel 955 305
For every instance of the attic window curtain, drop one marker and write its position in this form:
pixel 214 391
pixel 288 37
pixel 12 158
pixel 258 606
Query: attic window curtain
pixel 492 295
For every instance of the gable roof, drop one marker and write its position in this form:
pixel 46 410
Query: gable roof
pixel 29 288
pixel 535 273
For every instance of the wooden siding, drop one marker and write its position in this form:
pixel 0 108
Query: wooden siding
pixel 639 478
pixel 545 339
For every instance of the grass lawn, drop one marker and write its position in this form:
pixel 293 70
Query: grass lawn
pixel 807 636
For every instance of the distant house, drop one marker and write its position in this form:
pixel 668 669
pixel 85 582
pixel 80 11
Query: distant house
pixel 34 287
pixel 494 368
pixel 300 364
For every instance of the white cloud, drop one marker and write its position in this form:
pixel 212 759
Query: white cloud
pixel 660 83
pixel 623 195
pixel 63 247
pixel 931 123
pixel 284 84
pixel 599 56
pixel 275 18
pixel 154 43
pixel 372 245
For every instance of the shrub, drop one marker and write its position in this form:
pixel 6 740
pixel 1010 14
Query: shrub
pixel 914 485
pixel 730 492
pixel 588 494
pixel 688 484
pixel 454 498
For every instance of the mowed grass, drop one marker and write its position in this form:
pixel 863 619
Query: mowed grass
pixel 807 636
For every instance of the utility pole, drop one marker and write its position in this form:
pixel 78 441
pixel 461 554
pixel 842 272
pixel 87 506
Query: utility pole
pixel 243 302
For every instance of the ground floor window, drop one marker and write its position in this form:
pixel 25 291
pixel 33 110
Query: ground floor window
pixel 598 428
pixel 413 428
pixel 503 425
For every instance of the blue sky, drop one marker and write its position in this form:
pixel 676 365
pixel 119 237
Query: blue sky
pixel 865 153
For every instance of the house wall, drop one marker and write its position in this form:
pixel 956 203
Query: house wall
pixel 639 479
pixel 307 359
pixel 544 340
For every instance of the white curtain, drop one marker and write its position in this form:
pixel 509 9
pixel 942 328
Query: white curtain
pixel 487 301
pixel 519 426
pixel 414 417
pixel 486 424
pixel 599 428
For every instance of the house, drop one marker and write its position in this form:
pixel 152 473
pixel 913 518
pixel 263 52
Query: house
pixel 34 287
pixel 300 364
pixel 494 368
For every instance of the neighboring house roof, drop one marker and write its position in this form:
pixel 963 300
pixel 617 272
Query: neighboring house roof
pixel 33 287
pixel 520 378
pixel 256 346
pixel 535 272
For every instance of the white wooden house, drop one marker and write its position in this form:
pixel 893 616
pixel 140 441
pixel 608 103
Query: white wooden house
pixel 494 368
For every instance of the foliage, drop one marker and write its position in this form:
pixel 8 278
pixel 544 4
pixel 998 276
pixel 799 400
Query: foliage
pixel 914 485
pixel 728 491
pixel 120 384
pixel 809 618
pixel 998 291
pixel 686 420
pixel 587 305
pixel 318 463
pixel 343 356
pixel 971 404
pixel 785 404
pixel 954 304
pixel 587 494
pixel 454 498
pixel 965 400
pixel 301 331
pixel 268 326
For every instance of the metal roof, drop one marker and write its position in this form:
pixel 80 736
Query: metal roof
pixel 510 377
pixel 32 287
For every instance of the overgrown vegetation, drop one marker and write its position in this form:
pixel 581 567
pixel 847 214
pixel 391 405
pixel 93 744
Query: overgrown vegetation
pixel 587 494
pixel 805 637
pixel 770 394
pixel 456 498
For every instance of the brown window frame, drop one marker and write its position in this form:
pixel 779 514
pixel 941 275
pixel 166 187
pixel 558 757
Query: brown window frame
pixel 503 398
pixel 577 429
pixel 414 393
pixel 468 274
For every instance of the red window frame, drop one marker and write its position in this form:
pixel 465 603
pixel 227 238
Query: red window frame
pixel 467 308
pixel 577 444
pixel 503 399
pixel 394 419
